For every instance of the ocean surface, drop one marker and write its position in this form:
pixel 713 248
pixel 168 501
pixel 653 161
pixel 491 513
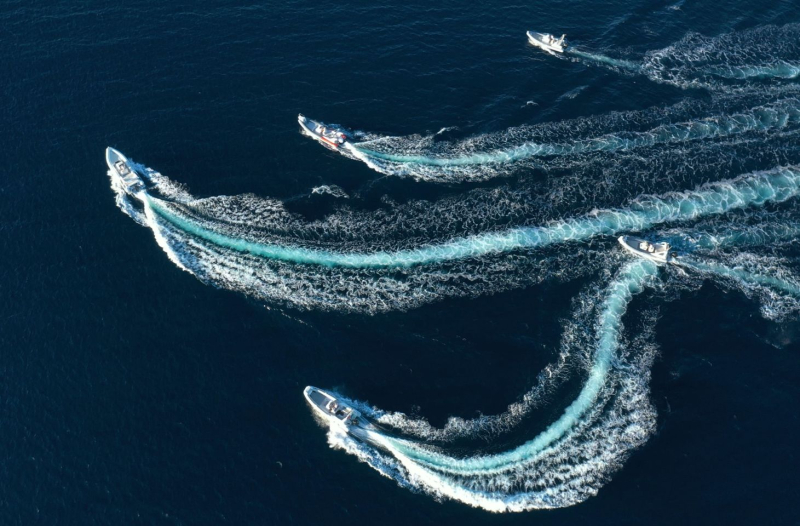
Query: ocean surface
pixel 454 274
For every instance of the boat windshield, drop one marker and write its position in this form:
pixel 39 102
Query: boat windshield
pixel 122 168
pixel 342 413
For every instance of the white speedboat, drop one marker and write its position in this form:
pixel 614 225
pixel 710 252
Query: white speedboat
pixel 334 411
pixel 132 183
pixel 658 252
pixel 329 136
pixel 547 41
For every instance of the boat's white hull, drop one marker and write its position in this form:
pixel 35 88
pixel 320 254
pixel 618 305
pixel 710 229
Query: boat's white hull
pixel 630 244
pixel 536 40
pixel 119 165
pixel 345 426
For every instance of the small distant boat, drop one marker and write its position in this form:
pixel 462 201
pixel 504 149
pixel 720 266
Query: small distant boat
pixel 334 411
pixel 658 252
pixel 119 164
pixel 547 41
pixel 329 136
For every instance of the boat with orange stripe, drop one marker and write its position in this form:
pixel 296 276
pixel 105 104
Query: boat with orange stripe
pixel 332 137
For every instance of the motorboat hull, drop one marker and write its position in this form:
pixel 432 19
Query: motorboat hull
pixel 119 165
pixel 632 244
pixel 332 411
pixel 541 40
pixel 332 139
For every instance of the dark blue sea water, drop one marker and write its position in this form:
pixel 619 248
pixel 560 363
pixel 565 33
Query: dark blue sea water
pixel 137 393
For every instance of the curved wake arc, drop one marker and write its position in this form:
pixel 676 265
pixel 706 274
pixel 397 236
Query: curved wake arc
pixel 573 457
pixel 631 280
pixel 568 461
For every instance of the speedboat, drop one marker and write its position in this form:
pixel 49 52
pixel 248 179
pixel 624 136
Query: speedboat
pixel 659 252
pixel 329 136
pixel 333 410
pixel 132 183
pixel 547 41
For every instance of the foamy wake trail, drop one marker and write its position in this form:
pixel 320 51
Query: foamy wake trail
pixel 765 279
pixel 252 245
pixel 497 154
pixel 569 461
pixel 617 63
pixel 766 232
pixel 750 190
pixel 719 252
pixel 725 62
